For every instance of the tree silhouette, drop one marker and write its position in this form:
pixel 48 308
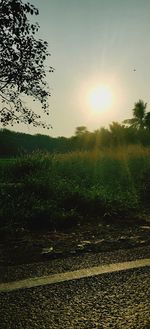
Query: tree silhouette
pixel 81 130
pixel 22 64
pixel 147 120
pixel 141 118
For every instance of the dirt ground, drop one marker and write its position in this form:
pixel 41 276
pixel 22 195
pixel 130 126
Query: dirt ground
pixel 26 247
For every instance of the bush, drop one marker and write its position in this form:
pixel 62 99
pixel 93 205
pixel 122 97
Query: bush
pixel 46 192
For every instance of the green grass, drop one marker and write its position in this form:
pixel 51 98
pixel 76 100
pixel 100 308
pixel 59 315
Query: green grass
pixel 53 191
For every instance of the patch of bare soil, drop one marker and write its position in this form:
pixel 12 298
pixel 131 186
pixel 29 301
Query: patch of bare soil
pixel 26 247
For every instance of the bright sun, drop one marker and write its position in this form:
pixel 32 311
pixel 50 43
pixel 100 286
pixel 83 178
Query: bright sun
pixel 100 98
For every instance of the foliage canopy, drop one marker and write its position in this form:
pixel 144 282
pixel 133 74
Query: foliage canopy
pixel 22 64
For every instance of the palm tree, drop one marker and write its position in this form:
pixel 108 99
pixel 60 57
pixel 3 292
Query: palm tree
pixel 139 116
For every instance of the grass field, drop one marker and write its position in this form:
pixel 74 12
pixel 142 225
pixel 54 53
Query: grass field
pixel 42 191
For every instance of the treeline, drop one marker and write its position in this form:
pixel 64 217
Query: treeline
pixel 14 143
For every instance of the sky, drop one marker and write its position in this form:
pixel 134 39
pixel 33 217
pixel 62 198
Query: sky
pixel 97 47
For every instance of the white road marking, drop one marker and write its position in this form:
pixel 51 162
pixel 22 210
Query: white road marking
pixel 73 275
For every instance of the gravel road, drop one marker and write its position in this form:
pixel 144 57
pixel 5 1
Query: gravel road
pixel 115 300
pixel 71 263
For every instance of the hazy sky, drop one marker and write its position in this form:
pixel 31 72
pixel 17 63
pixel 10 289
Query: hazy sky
pixel 92 43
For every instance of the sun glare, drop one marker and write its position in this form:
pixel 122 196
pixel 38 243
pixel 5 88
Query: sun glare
pixel 100 98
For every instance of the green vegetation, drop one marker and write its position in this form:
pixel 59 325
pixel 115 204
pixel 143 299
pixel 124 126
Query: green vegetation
pixel 43 191
pixel 100 175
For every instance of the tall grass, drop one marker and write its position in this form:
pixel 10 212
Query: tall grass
pixel 51 191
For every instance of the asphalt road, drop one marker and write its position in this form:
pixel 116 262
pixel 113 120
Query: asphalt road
pixel 115 300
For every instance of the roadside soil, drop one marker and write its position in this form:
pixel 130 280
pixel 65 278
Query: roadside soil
pixel 24 247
